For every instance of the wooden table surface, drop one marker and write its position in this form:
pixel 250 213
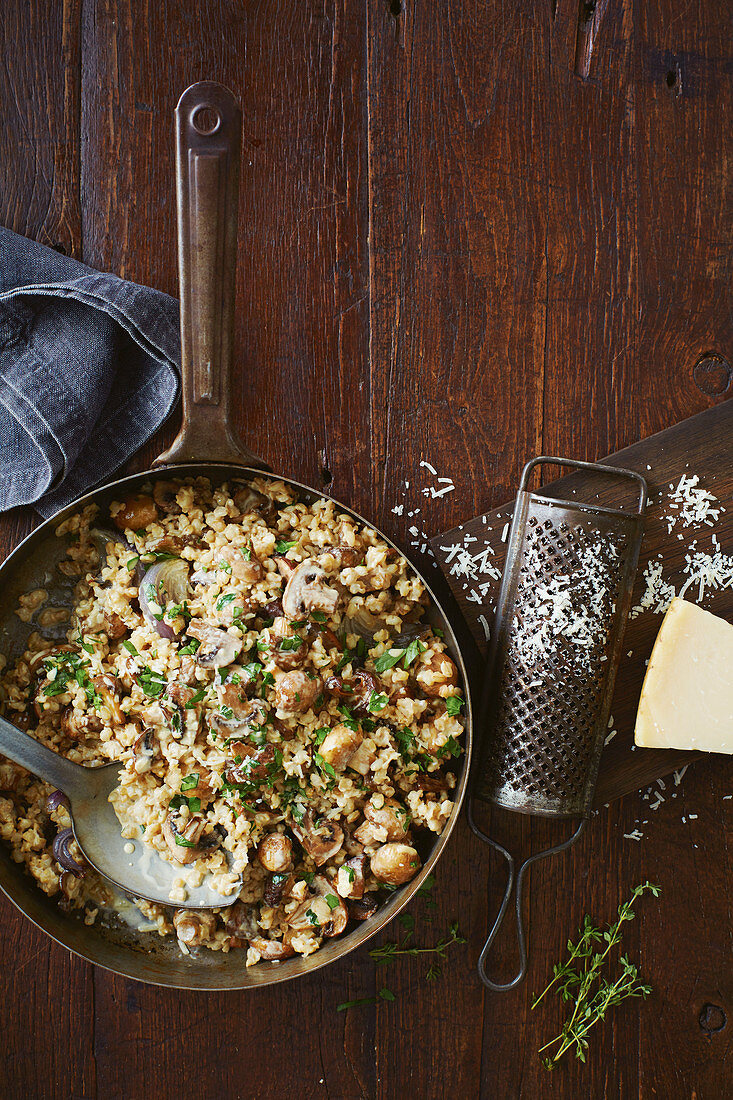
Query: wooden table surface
pixel 469 233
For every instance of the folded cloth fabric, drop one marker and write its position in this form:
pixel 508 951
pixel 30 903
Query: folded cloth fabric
pixel 88 371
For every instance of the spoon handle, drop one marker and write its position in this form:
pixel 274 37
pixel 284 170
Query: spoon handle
pixel 21 748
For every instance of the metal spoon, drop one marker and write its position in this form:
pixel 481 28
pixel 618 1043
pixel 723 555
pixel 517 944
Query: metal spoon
pixel 97 830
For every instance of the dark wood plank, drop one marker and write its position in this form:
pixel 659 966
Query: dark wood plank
pixel 468 233
pixel 47 993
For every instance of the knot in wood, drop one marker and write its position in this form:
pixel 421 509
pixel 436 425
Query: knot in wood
pixel 712 374
pixel 712 1018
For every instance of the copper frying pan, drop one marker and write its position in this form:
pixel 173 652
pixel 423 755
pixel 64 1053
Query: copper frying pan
pixel 208 129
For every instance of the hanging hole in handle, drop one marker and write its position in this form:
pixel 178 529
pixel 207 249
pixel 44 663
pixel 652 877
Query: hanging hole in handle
pixel 206 120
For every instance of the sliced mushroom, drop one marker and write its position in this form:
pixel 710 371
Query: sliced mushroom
pixel 182 837
pixel 363 908
pixel 296 692
pixel 395 863
pixel 271 950
pixel 285 566
pixel 357 691
pixel 248 500
pixel 321 840
pixel 251 765
pixel 340 557
pixel 194 926
pixel 77 725
pixel 164 495
pixel 137 512
pixel 143 751
pixel 290 647
pixel 241 920
pixel 364 757
pixel 322 911
pixel 275 852
pixel 217 648
pixel 238 712
pixel 339 746
pixel 351 876
pixel 114 627
pixel 391 816
pixel 242 565
pixel 109 687
pixel 308 590
pixel 436 674
pixel 276 886
pixel 370 836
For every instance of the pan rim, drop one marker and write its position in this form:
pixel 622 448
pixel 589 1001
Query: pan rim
pixel 272 973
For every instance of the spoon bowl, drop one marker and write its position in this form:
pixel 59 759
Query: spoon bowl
pixel 130 865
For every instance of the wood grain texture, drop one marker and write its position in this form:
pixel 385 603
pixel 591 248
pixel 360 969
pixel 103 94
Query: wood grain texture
pixel 467 233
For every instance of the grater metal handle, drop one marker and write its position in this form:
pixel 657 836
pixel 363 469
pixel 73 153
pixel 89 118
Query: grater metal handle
pixel 596 467
pixel 515 883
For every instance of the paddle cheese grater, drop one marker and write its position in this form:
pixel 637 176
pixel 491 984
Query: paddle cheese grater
pixel 555 648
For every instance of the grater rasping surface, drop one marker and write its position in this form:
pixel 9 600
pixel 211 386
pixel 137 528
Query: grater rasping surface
pixel 555 649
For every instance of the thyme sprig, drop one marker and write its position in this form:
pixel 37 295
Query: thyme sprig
pixel 393 949
pixel 583 979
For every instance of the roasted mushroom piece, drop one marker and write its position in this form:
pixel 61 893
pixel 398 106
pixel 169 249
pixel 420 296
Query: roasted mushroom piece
pixel 351 876
pixel 275 852
pixel 271 950
pixel 395 863
pixel 321 840
pixel 251 765
pixel 275 888
pixel 308 590
pixel 363 908
pixel 183 837
pixel 137 511
pixel 143 751
pixel 387 814
pixel 241 921
pixel 217 648
pixel 164 495
pixel 339 746
pixel 241 564
pixel 322 911
pixel 436 674
pixel 296 691
pixel 194 926
pixel 114 627
pixel 290 647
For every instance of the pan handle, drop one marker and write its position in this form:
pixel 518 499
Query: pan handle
pixel 208 148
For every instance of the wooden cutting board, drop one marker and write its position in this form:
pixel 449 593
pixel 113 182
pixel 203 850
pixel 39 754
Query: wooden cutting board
pixel 472 558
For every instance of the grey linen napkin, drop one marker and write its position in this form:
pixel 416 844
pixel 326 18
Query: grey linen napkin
pixel 88 371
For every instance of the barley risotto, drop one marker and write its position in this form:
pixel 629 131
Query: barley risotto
pixel 284 716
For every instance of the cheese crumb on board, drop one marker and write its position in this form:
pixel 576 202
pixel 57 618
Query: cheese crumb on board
pixel 687 696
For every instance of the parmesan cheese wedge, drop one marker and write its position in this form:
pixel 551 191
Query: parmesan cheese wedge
pixel 687 696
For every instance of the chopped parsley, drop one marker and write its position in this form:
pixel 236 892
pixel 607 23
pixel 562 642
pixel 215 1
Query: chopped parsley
pixel 318 616
pixel 225 599
pixel 283 547
pixel 321 735
pixel 190 781
pixel 388 660
pixel 152 683
pixel 453 704
pixel 182 842
pixel 196 698
pixel 332 901
pixel 450 748
pixel 324 765
pixel 191 647
pixel 131 648
pixel 377 702
pixel 290 645
pixel 69 668
pixel 414 649
pixel 132 562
